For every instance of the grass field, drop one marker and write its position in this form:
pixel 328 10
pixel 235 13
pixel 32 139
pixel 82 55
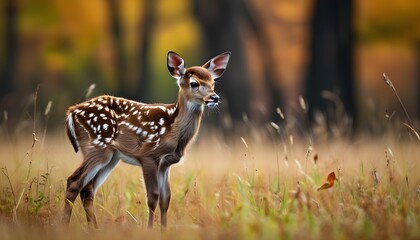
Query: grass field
pixel 240 188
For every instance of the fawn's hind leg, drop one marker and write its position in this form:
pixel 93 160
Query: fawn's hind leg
pixel 88 192
pixel 93 162
pixel 87 195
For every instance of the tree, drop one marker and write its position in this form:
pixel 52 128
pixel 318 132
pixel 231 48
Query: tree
pixel 221 25
pixel 8 70
pixel 148 23
pixel 118 44
pixel 331 61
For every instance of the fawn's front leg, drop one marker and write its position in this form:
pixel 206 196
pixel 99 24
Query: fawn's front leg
pixel 164 194
pixel 151 182
pixel 164 187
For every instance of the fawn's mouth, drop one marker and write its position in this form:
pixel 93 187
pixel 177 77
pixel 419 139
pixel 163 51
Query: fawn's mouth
pixel 211 104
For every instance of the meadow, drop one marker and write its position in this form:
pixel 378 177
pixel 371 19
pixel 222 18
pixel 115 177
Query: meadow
pixel 244 187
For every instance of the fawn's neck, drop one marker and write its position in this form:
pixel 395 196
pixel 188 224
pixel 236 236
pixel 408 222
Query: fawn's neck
pixel 187 120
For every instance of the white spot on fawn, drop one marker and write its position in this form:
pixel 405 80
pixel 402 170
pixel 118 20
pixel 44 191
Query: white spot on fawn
pixel 162 130
pixel 171 111
pixel 161 121
pixel 139 131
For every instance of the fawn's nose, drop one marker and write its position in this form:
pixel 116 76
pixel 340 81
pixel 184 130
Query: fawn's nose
pixel 215 98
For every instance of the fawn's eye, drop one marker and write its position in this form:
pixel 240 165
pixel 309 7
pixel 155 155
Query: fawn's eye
pixel 194 84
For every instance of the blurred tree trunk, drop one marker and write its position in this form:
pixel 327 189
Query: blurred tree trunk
pixel 221 23
pixel 417 54
pixel 118 42
pixel 142 93
pixel 10 47
pixel 331 61
pixel 274 98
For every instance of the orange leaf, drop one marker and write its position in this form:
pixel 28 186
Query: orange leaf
pixel 331 178
pixel 330 182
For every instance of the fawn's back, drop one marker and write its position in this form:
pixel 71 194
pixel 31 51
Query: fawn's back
pixel 106 120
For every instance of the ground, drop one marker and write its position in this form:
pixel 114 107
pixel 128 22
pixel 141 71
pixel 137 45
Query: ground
pixel 249 187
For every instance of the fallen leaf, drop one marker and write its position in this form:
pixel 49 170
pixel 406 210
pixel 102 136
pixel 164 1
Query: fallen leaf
pixel 330 182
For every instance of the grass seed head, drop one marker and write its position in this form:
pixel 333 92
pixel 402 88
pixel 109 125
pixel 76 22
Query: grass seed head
pixel 280 113
pixel 303 104
pixel 90 90
pixel 48 108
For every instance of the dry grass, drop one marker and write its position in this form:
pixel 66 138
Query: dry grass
pixel 245 188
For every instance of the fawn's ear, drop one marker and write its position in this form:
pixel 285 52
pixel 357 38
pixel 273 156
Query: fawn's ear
pixel 217 65
pixel 176 65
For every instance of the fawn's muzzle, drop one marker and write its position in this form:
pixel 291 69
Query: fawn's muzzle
pixel 215 100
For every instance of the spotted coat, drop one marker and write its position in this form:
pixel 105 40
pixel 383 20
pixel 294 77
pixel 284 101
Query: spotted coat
pixel 105 116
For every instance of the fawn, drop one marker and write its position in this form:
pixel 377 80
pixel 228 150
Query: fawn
pixel 153 136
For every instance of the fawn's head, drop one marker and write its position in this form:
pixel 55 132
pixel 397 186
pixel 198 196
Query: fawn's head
pixel 197 83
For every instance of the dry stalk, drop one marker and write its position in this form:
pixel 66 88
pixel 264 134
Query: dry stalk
pixel 410 123
pixel 6 174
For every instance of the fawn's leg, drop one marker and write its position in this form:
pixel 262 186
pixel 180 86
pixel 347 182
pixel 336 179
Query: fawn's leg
pixel 93 162
pixel 87 195
pixel 150 179
pixel 164 186
pixel 93 186
pixel 88 192
pixel 164 194
pixel 72 190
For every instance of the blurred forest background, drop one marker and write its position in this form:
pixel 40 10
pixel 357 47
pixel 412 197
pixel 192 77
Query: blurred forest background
pixel 298 58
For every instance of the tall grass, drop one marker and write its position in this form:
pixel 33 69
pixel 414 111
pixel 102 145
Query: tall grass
pixel 255 186
pixel 238 191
